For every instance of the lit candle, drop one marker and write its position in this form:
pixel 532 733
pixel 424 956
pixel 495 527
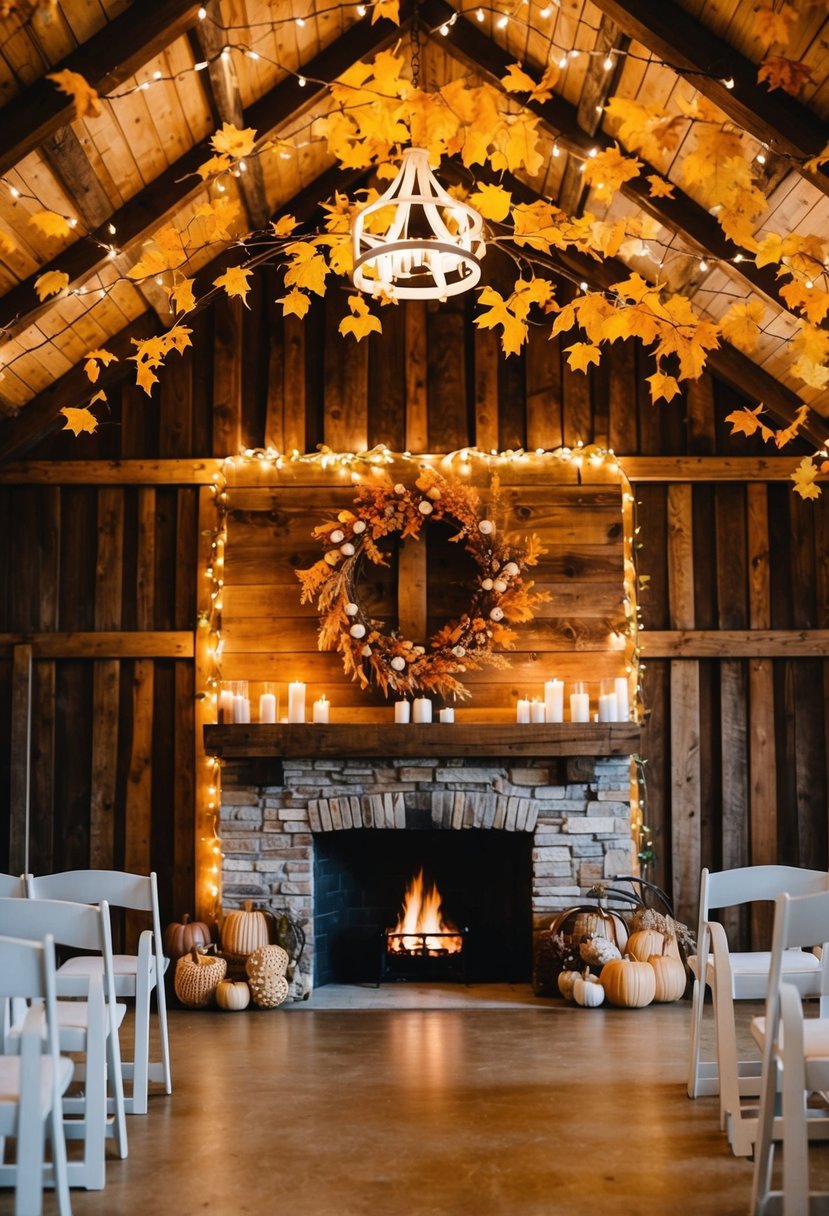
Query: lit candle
pixel 402 711
pixel 607 707
pixel 226 705
pixel 579 704
pixel 622 705
pixel 321 707
pixel 267 707
pixel 296 701
pixel 447 715
pixel 522 710
pixel 554 700
pixel 536 710
pixel 422 709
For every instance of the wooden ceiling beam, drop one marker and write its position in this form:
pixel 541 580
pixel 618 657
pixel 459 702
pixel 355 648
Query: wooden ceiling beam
pixel 680 214
pixel 169 191
pixel 105 61
pixel 681 41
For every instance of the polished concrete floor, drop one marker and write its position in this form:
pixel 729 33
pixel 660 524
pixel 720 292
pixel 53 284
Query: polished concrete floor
pixel 521 1110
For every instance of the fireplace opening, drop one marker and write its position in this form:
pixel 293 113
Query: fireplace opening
pixel 485 883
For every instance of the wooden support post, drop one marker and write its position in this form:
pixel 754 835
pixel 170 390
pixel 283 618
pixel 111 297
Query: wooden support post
pixel 20 768
pixel 762 753
pixel 411 590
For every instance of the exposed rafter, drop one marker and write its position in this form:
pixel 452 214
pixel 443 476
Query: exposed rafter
pixel 177 184
pixel 775 118
pixel 133 38
pixel 680 214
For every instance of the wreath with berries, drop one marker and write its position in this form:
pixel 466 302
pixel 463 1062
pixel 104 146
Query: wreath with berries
pixel 501 596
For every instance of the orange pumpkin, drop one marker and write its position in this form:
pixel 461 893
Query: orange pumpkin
pixel 628 983
pixel 181 937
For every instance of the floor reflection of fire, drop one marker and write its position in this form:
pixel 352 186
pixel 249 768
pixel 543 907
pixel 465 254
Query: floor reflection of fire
pixel 422 933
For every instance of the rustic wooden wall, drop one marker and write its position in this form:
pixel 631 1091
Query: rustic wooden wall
pixel 736 608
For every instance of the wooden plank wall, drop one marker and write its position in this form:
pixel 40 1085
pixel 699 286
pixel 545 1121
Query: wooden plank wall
pixel 736 734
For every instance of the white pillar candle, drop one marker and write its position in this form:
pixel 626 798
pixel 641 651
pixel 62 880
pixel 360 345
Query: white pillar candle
pixel 522 710
pixel 554 700
pixel 622 703
pixel 607 707
pixel 226 705
pixel 267 707
pixel 447 715
pixel 579 704
pixel 296 701
pixel 321 707
pixel 402 711
pixel 422 710
pixel 241 708
pixel 536 710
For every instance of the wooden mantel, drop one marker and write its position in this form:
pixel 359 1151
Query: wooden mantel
pixel 389 740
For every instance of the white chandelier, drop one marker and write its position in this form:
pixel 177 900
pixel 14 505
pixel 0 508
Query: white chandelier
pixel 418 257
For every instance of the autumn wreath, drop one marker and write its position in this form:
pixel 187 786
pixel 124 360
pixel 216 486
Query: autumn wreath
pixel 500 596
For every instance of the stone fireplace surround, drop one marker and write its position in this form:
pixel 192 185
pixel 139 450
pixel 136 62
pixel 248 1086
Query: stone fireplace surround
pixel 577 809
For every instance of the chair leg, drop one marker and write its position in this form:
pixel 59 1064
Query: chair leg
pixel 60 1169
pixel 161 998
pixel 28 1176
pixel 116 1084
pixel 136 1104
pixel 764 1145
pixel 795 1131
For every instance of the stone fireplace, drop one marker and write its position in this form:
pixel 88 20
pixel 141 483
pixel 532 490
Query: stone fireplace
pixel 567 818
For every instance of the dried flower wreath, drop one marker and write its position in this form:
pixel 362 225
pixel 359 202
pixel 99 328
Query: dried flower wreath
pixel 399 665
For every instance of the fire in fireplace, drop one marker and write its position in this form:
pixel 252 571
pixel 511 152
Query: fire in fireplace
pixel 423 944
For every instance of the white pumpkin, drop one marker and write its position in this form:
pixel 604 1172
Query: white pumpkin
pixel 587 991
pixel 566 980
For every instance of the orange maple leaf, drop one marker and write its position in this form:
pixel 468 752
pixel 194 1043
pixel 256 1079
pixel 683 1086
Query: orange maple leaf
pixel 94 359
pixel 87 101
pixel 235 282
pixel 79 419
pixel 778 72
pixel 660 187
pixel 804 479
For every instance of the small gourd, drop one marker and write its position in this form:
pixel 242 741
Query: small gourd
pixel 232 995
pixel 244 930
pixel 587 991
pixel 627 983
pixel 181 936
pixel 669 974
pixel 566 980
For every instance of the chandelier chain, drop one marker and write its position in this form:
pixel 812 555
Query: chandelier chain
pixel 414 36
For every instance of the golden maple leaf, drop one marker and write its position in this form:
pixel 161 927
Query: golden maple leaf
pixel 741 324
pixel 94 360
pixel 7 242
pixel 519 81
pixel 79 419
pixel 51 283
pixel 362 321
pixel 50 223
pixel 804 479
pixel 234 282
pixel 294 303
pixel 182 297
pixel 581 354
pixel 659 187
pixel 230 141
pixel 214 166
pixel 498 312
pixel 307 269
pixel 87 101
pixel 390 9
pixel 774 25
pixel 787 434
pixel 746 422
pixel 812 301
pixel 284 226
pixel 815 163
pixel 663 387
pixel 778 72
pixel 492 201
pixel 609 170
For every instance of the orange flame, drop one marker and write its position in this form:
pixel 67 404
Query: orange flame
pixel 420 918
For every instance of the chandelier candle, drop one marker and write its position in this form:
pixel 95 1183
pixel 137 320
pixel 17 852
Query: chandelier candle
pixel 296 701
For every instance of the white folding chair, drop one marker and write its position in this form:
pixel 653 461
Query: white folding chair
pixel 739 976
pixel 136 975
pixel 87 1024
pixel 32 1083
pixel 12 887
pixel 795 1065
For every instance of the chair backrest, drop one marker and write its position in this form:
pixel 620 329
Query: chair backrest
pixel 799 921
pixel 12 887
pixel 27 970
pixel 749 884
pixel 120 890
pixel 82 926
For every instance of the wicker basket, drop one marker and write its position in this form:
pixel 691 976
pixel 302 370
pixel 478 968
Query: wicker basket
pixel 197 976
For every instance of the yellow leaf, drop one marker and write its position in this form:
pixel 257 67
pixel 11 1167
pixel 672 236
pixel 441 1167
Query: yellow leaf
pixel 50 223
pixel 182 297
pixel 7 244
pixel 608 170
pixel 87 101
pixel 390 9
pixel 813 302
pixel 307 269
pixel 177 338
pixel 774 25
pixel 663 387
pixel 94 360
pixel 230 141
pixel 770 250
pixel 295 303
pixel 517 80
pixel 745 421
pixel 812 343
pixel 235 282
pixel 581 354
pixel 498 313
pixel 660 187
pixel 362 322
pixel 784 436
pixel 151 263
pixel 521 150
pixel 145 377
pixel 804 479
pixel 50 283
pixel 284 226
pixel 815 163
pixel 214 166
pixel 492 201
pixel 741 324
pixel 79 419
pixel 816 375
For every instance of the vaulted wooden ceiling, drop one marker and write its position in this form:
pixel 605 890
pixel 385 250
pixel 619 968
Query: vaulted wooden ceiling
pixel 173 71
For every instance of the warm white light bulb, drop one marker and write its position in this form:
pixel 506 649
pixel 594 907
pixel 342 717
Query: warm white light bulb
pixel 608 63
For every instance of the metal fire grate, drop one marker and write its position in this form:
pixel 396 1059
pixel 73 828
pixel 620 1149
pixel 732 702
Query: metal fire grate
pixel 424 962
